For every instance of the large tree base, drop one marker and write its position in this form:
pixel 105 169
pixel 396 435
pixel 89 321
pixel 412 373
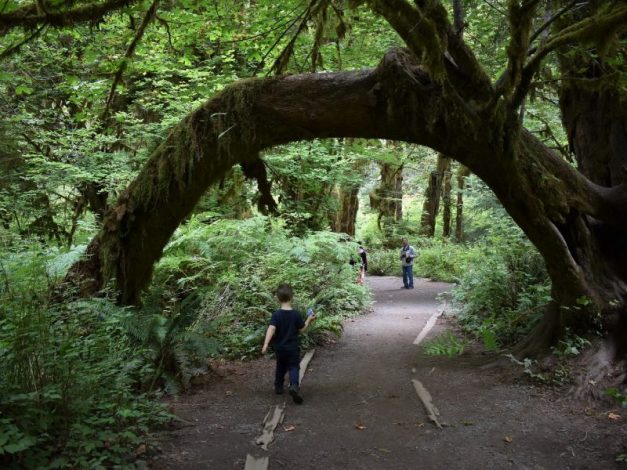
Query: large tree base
pixel 538 342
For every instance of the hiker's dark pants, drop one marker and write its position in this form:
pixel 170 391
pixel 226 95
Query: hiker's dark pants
pixel 287 361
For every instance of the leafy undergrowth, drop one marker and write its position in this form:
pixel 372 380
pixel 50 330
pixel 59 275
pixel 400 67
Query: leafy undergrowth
pixel 501 294
pixel 223 276
pixel 436 260
pixel 80 381
pixel 73 387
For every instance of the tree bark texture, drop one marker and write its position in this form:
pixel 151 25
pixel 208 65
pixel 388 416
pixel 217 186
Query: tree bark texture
pixel 446 200
pixel 431 204
pixel 387 198
pixel 344 220
pixel 462 174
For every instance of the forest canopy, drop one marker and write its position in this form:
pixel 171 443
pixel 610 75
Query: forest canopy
pixel 138 139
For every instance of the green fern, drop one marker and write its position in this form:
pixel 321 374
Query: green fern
pixel 446 344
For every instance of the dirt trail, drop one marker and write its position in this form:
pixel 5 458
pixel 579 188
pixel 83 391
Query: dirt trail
pixel 361 409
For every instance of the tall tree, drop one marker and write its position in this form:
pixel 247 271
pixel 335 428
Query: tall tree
pixel 446 200
pixel 433 192
pixel 387 198
pixel 344 218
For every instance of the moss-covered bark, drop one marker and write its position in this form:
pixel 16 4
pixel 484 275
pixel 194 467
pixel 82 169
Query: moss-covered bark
pixel 462 174
pixel 433 193
pixel 387 197
pixel 344 218
pixel 446 202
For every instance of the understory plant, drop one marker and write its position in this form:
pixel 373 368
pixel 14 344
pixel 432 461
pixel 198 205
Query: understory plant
pixel 72 384
pixel 227 272
pixel 502 292
pixel 446 344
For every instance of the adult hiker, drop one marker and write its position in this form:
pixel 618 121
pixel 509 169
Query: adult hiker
pixel 407 262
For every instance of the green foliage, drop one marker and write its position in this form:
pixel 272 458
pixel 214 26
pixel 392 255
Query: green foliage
pixel 502 292
pixel 70 379
pixel 570 345
pixel 442 260
pixel 436 260
pixel 383 262
pixel 227 272
pixel 305 177
pixel 620 397
pixel 447 344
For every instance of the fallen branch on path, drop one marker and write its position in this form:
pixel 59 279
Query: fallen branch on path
pixel 274 417
pixel 256 463
pixel 427 401
pixel 304 363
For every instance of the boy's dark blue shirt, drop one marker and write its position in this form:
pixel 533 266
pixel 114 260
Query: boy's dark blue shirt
pixel 287 323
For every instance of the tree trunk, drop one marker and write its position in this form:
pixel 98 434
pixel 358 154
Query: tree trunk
pixel 462 174
pixel 446 199
pixel 577 225
pixel 344 220
pixel 593 102
pixel 431 204
pixel 387 198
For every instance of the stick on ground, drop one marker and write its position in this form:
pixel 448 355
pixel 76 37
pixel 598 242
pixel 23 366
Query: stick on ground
pixel 427 401
pixel 274 417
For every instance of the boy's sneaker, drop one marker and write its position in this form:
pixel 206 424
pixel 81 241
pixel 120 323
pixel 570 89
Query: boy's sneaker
pixel 294 392
pixel 278 391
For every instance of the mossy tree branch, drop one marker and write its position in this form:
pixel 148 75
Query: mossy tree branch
pixel 521 17
pixel 148 17
pixel 426 29
pixel 249 116
pixel 34 15
pixel 16 47
pixel 594 29
pixel 423 26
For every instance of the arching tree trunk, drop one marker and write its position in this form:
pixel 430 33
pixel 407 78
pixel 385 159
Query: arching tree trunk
pixel 576 224
pixel 594 112
pixel 462 172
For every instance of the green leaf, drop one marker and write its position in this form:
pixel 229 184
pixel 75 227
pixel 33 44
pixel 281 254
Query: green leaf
pixel 23 90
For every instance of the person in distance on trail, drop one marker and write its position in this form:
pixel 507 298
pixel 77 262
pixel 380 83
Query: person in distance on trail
pixel 285 325
pixel 363 254
pixel 407 262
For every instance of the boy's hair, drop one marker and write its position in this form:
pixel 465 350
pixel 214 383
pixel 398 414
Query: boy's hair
pixel 284 293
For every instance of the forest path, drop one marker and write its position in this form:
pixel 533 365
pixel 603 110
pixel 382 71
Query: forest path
pixel 362 411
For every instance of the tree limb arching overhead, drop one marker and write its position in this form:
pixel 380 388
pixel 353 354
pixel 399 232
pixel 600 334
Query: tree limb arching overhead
pixel 422 96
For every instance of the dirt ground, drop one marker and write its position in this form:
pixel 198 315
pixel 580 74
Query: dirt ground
pixel 361 410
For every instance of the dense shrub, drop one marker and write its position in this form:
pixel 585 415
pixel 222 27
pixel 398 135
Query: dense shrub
pixel 443 261
pixel 229 270
pixel 501 294
pixel 436 260
pixel 384 262
pixel 70 379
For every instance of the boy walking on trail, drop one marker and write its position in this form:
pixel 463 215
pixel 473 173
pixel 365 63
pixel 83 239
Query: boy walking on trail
pixel 285 325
